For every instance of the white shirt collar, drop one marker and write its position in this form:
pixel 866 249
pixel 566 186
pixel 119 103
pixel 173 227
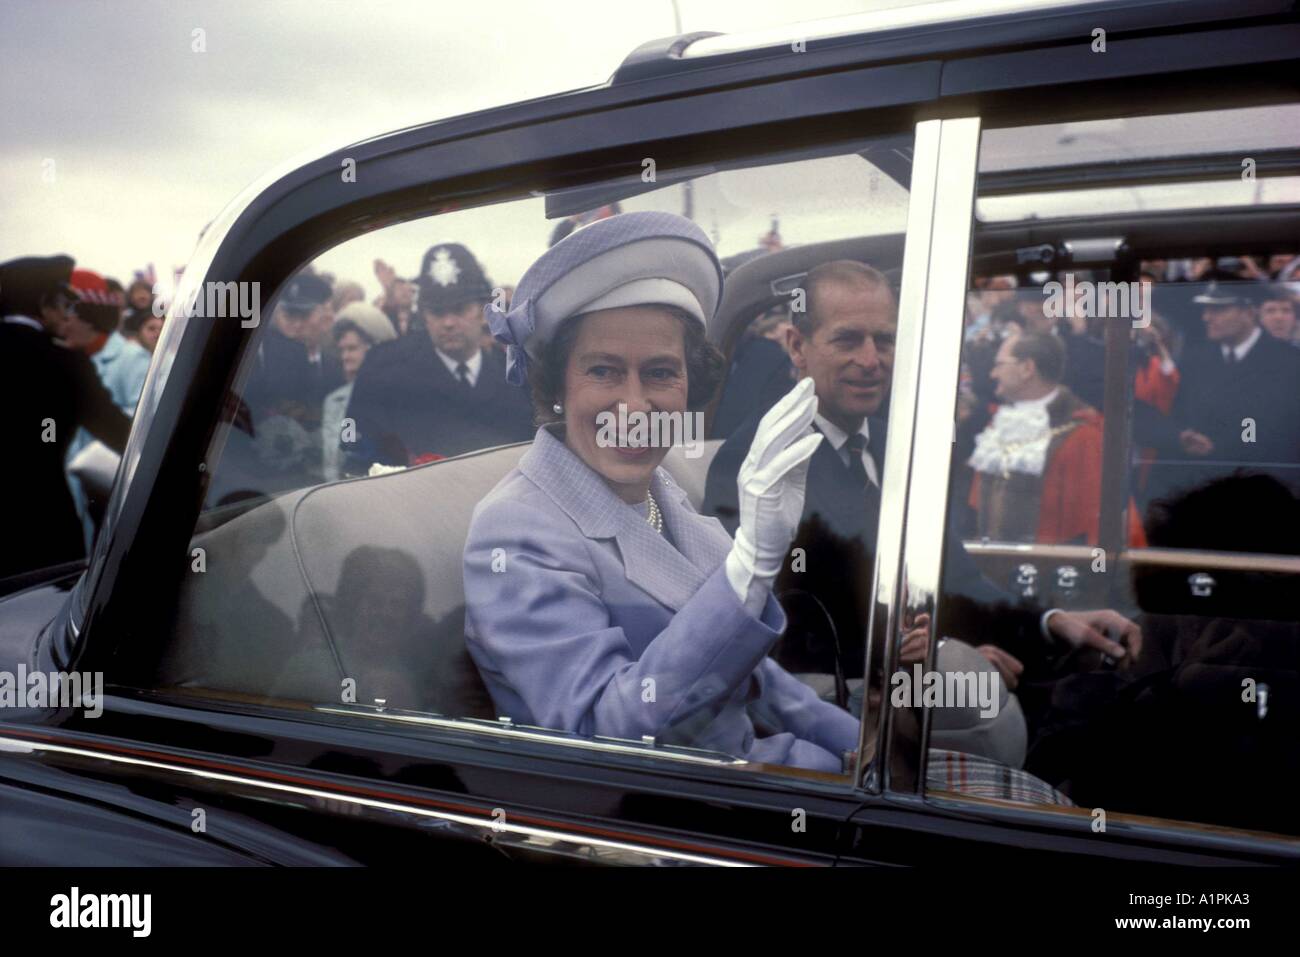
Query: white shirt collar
pixel 1041 403
pixel 837 437
pixel 473 363
pixel 1240 351
pixel 25 321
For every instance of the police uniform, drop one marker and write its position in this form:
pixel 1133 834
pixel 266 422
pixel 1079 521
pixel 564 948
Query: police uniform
pixel 1242 398
pixel 287 380
pixel 411 401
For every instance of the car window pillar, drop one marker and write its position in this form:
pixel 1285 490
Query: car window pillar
pixel 921 427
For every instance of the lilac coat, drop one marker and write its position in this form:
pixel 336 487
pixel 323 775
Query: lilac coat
pixel 581 618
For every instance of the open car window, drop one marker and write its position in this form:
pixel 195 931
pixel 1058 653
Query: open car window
pixel 1125 484
pixel 341 562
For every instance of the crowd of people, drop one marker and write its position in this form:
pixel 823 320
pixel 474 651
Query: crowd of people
pixel 1214 362
pixel 339 386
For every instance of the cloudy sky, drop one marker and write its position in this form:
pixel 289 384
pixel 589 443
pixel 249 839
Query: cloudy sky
pixel 119 142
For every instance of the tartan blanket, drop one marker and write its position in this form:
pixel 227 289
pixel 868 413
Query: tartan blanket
pixel 979 777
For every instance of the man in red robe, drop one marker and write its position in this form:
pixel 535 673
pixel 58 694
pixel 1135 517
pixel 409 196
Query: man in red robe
pixel 1038 463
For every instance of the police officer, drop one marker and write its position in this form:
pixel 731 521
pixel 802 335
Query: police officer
pixel 294 374
pixel 436 391
pixel 46 391
pixel 1236 401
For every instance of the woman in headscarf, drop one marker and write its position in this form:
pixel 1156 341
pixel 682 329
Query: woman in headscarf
pixel 598 600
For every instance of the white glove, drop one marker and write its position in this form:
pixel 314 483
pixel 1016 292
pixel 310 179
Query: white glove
pixel 771 494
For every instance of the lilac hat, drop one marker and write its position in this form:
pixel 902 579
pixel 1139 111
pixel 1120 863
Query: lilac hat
pixel 630 259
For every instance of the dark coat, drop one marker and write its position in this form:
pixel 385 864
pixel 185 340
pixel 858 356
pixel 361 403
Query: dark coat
pixel 40 380
pixel 1085 368
pixel 286 382
pixel 1214 398
pixel 406 404
pixel 760 374
pixel 838 536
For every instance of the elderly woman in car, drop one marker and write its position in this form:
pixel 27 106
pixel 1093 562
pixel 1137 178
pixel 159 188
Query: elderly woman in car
pixel 598 600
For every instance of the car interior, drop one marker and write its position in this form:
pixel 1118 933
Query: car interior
pixel 394 542
pixel 299 542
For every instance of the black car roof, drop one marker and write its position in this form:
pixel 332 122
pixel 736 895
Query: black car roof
pixel 947 30
pixel 924 28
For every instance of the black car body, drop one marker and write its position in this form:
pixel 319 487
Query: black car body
pixel 275 784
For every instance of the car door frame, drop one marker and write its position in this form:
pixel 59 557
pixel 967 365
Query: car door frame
pixel 272 230
pixel 913 520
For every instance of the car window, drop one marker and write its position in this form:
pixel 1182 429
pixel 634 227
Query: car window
pixel 392 528
pixel 1125 486
pixel 1164 162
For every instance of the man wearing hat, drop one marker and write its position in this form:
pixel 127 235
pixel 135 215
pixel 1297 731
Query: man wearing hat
pixel 46 391
pixel 435 391
pixel 1237 399
pixel 294 374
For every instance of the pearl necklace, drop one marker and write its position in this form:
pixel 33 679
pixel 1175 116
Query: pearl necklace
pixel 653 515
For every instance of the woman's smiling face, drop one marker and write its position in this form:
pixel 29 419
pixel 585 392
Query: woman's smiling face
pixel 635 356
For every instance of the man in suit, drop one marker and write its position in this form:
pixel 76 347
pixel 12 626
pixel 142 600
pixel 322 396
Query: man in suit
pixel 844 341
pixel 294 374
pixel 1236 404
pixel 435 392
pixel 46 391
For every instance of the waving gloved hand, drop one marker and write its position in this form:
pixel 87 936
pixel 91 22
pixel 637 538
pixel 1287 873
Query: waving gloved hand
pixel 771 487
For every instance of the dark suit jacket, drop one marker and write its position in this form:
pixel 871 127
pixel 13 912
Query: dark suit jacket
pixel 838 536
pixel 1213 399
pixel 286 382
pixel 760 374
pixel 406 403
pixel 1085 369
pixel 41 380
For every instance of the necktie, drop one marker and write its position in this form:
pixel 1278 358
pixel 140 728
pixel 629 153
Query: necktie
pixel 1230 358
pixel 462 373
pixel 855 446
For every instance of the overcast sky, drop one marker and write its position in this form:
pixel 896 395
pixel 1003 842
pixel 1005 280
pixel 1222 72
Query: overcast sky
pixel 118 142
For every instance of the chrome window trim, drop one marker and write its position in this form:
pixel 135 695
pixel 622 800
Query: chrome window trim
pixel 922 426
pixel 882 619
pixel 500 830
pixel 510 731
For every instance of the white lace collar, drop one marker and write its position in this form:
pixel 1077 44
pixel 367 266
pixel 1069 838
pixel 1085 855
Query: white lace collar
pixel 1016 440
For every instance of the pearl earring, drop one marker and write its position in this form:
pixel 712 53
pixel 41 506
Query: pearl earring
pixel 559 409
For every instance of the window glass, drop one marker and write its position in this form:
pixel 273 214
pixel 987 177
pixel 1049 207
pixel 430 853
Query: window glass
pixel 1176 161
pixel 1124 513
pixel 391 527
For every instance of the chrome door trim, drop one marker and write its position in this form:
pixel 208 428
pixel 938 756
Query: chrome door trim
pixel 505 728
pixel 498 828
pixel 922 427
